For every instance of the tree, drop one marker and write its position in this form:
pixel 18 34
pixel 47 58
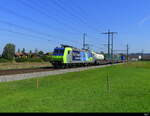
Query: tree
pixel 102 52
pixel 23 50
pixel 18 50
pixel 9 51
pixel 30 51
pixel 40 52
pixel 36 50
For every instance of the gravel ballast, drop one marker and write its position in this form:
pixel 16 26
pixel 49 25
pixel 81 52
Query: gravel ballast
pixel 6 78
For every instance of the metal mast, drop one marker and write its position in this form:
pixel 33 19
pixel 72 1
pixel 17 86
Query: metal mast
pixel 112 34
pixel 84 34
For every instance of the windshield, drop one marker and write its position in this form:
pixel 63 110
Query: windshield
pixel 59 52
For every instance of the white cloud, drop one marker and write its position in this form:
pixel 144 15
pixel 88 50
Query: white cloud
pixel 145 19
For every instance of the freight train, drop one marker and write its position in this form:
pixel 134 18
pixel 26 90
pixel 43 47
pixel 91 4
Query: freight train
pixel 67 56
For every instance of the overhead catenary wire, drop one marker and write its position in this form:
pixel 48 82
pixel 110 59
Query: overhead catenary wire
pixel 4 9
pixel 82 20
pixel 74 41
pixel 31 20
pixel 30 30
pixel 42 11
pixel 79 17
pixel 30 35
pixel 64 15
pixel 21 33
pixel 27 28
pixel 59 5
pixel 21 16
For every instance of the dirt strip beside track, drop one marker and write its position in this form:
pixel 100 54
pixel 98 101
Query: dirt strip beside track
pixel 22 71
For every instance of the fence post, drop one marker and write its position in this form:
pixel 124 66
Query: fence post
pixel 107 82
pixel 37 83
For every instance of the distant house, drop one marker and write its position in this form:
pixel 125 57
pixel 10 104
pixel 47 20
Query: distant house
pixel 146 57
pixel 22 55
pixel 19 55
pixel 139 56
pixel 134 57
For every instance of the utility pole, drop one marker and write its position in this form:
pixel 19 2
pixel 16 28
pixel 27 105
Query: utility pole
pixel 112 44
pixel 112 34
pixel 142 54
pixel 108 33
pixel 84 34
pixel 127 52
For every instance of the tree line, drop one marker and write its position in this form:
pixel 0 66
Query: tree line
pixel 9 54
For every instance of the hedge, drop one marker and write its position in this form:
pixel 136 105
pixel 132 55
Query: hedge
pixel 28 60
pixel 3 60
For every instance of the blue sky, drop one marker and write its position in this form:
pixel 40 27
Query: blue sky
pixel 44 24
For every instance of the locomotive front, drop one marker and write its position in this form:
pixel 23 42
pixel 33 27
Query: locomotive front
pixel 57 57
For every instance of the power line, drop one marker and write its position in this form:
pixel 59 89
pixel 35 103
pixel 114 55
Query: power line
pixel 29 29
pixel 41 7
pixel 30 6
pixel 3 9
pixel 25 28
pixel 42 11
pixel 83 20
pixel 58 3
pixel 21 16
pixel 30 35
pixel 20 33
pixel 85 13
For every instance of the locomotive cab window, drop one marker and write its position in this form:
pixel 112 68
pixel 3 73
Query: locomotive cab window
pixel 58 52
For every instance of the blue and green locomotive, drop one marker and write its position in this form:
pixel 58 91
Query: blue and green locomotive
pixel 68 56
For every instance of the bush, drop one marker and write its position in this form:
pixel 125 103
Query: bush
pixel 35 60
pixel 29 60
pixel 46 58
pixel 3 60
pixel 21 59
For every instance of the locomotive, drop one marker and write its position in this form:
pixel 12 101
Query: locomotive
pixel 68 56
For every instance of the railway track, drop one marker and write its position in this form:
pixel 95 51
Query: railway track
pixel 34 70
pixel 21 74
pixel 29 70
pixel 22 71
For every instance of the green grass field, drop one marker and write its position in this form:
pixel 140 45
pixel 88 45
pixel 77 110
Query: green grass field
pixel 84 91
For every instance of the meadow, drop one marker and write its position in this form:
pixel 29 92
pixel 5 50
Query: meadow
pixel 119 88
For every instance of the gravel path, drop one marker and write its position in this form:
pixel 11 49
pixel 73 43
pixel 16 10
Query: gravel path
pixel 6 78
